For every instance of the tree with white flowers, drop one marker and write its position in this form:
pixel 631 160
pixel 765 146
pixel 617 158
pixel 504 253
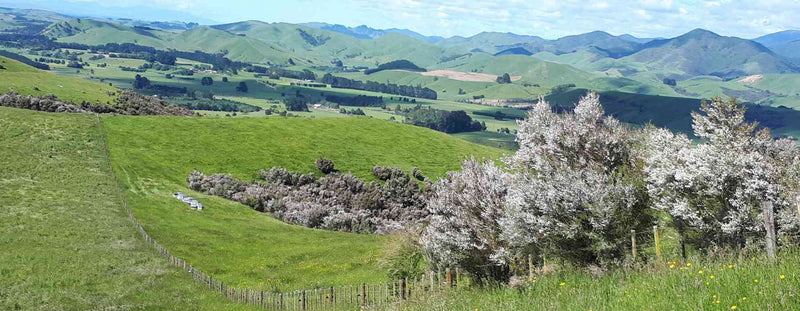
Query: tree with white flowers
pixel 463 230
pixel 726 190
pixel 574 193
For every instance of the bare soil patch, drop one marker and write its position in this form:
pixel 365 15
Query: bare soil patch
pixel 751 79
pixel 465 76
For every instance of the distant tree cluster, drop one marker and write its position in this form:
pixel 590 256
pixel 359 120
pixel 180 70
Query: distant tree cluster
pixel 355 111
pixel 296 104
pixel 207 81
pixel 442 120
pixel 561 88
pixel 24 60
pixel 350 204
pixel 217 105
pixel 402 90
pixel 359 101
pixel 277 72
pixel 670 82
pixel 401 64
pixel 504 79
pixel 143 83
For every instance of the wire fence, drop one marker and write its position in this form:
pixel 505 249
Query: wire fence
pixel 327 298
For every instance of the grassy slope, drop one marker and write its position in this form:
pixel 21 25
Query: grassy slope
pixel 153 156
pixel 23 78
pixel 65 241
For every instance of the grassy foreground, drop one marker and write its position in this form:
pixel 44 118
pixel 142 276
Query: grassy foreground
pixel 65 241
pixel 153 155
pixel 734 284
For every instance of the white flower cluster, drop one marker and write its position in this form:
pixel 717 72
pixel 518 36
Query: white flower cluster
pixel 717 188
pixel 581 182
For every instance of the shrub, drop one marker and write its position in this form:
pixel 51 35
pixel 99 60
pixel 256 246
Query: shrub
pixel 325 165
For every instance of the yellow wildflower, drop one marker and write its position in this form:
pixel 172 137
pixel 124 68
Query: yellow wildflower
pixel 734 307
pixel 712 277
pixel 717 302
pixel 688 264
pixel 708 283
pixel 700 272
pixel 755 280
pixel 672 266
pixel 714 297
pixel 730 266
pixel 744 298
pixel 562 284
pixel 783 276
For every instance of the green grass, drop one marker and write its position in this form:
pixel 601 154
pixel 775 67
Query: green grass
pixel 65 241
pixel 25 80
pixel 153 155
pixel 651 287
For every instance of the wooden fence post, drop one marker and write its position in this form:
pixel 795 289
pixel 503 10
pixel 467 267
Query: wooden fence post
pixel 657 238
pixel 403 288
pixel 449 277
pixel 530 267
pixel 633 243
pixel 363 294
pixel 458 278
pixel 304 301
pixel 769 226
pixel 433 289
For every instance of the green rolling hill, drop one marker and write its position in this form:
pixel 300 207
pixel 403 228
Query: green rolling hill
pixel 67 243
pixel 27 80
pixel 153 156
pixel 726 57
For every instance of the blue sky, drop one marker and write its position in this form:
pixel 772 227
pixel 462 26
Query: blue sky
pixel 548 18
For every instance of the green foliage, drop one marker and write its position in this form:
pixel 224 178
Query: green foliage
pixel 400 64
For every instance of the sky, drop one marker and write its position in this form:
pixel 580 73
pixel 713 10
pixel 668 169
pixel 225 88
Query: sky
pixel 548 18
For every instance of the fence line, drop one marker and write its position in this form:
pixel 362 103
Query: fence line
pixel 332 297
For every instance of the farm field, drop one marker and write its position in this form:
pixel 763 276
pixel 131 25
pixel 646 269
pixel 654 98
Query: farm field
pixel 65 240
pixel 27 80
pixel 152 156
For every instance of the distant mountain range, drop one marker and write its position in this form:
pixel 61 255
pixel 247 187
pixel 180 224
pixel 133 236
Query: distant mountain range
pixel 699 53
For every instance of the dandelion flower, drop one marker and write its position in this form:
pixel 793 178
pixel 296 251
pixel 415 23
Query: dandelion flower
pixel 714 297
pixel 708 283
pixel 783 276
pixel 712 277
pixel 730 266
pixel 688 264
pixel 744 298
pixel 700 272
pixel 717 302
pixel 755 280
pixel 734 307
pixel 562 284
pixel 672 266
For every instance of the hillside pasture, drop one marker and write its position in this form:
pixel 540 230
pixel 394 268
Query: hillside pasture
pixel 152 156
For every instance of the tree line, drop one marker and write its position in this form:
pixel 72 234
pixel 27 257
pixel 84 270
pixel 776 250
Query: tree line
pixel 387 88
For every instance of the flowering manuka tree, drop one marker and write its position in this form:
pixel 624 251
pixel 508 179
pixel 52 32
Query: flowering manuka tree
pixel 724 191
pixel 574 193
pixel 463 230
